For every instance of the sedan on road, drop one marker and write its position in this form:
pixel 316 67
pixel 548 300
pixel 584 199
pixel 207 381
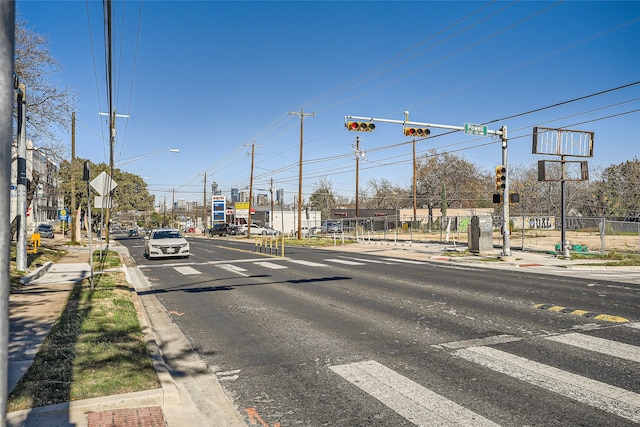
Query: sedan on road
pixel 45 230
pixel 166 242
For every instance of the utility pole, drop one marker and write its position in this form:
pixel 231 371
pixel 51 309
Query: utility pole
pixel 253 152
pixel 7 42
pixel 21 245
pixel 204 203
pixel 271 214
pixel 302 115
pixel 73 178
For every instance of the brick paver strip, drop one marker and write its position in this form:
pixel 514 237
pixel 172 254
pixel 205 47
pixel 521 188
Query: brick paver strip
pixel 137 417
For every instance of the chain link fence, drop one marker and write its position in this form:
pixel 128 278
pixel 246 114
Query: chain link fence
pixel 528 232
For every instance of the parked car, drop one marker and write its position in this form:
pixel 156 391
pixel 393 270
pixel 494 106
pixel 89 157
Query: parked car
pixel 255 229
pixel 234 229
pixel 332 227
pixel 305 232
pixel 45 230
pixel 166 242
pixel 219 230
pixel 271 231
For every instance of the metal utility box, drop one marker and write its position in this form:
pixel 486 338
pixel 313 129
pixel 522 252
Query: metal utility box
pixel 480 233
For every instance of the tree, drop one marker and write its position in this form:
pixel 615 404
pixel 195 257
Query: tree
pixel 49 107
pixel 131 194
pixel 382 194
pixel 323 198
pixel 462 183
pixel 618 192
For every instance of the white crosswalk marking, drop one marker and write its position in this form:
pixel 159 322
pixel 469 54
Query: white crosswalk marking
pixel 308 263
pixel 271 265
pixel 406 261
pixel 344 261
pixel 234 269
pixel 416 403
pixel 370 261
pixel 603 396
pixel 186 270
pixel 600 345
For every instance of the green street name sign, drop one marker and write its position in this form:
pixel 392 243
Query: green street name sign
pixel 475 129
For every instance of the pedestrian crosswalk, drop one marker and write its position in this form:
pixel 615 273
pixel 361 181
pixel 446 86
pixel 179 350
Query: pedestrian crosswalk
pixel 425 407
pixel 285 263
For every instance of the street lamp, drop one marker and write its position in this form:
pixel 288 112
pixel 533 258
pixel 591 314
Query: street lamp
pixel 142 156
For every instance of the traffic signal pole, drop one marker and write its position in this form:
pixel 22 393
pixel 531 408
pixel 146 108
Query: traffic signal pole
pixel 506 222
pixel 479 130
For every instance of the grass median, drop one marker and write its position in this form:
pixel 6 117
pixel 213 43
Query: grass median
pixel 96 347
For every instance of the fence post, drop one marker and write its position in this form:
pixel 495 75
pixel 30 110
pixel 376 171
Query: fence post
pixel 602 231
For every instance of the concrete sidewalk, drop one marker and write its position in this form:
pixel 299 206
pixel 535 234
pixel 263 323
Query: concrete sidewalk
pixel 189 395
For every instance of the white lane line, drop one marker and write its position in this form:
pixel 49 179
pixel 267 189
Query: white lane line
pixel 594 393
pixel 344 261
pixel 271 265
pixel 308 263
pixel 186 270
pixel 600 345
pixel 406 261
pixel 634 325
pixel 416 403
pixel 233 268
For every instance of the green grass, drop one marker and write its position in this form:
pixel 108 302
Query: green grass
pixel 612 259
pixel 96 348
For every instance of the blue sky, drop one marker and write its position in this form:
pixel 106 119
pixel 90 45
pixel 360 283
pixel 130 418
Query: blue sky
pixel 211 78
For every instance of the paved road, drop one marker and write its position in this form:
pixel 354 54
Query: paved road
pixel 345 339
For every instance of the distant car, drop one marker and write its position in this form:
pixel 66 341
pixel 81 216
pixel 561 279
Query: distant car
pixel 332 227
pixel 234 229
pixel 305 231
pixel 219 230
pixel 166 242
pixel 255 229
pixel 45 230
pixel 270 231
pixel 133 233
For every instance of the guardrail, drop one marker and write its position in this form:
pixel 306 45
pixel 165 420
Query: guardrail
pixel 270 245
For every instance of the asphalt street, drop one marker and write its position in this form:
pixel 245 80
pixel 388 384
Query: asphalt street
pixel 331 337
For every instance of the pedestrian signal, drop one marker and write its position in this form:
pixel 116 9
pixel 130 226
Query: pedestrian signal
pixel 360 126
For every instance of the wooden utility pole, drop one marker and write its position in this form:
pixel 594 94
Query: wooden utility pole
pixel 253 152
pixel 204 204
pixel 302 115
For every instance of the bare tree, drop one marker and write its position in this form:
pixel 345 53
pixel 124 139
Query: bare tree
pixel 323 197
pixel 382 194
pixel 49 107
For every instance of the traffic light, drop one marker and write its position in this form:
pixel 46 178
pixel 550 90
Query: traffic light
pixel 501 177
pixel 360 126
pixel 419 132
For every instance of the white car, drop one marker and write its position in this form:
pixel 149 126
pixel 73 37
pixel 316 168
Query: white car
pixel 255 230
pixel 166 242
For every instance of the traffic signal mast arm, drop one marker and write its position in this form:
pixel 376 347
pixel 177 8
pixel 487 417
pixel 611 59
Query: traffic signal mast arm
pixel 417 124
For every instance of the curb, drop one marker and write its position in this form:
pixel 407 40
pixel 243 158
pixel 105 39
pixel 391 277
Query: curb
pixel 36 274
